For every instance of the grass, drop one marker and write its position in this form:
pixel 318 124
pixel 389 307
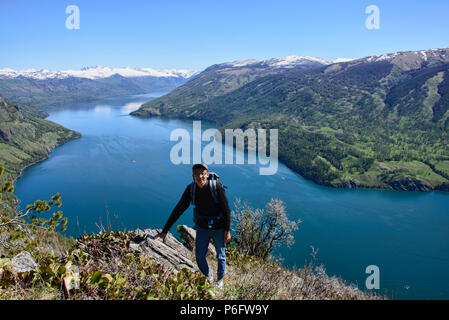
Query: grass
pixel 12 154
pixel 383 171
pixel 443 166
pixel 126 274
pixel 249 278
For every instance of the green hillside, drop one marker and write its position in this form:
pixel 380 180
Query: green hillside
pixel 24 140
pixel 377 122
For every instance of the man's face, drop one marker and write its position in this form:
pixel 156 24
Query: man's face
pixel 200 177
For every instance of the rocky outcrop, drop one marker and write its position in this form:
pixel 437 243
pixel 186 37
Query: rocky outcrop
pixel 409 183
pixel 347 183
pixel 171 253
pixel 23 262
pixel 188 236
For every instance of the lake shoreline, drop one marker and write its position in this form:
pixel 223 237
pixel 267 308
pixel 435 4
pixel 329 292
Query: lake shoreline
pixel 407 184
pixel 16 199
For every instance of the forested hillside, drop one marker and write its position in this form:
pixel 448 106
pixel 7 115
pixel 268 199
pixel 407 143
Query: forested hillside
pixel 24 140
pixel 376 122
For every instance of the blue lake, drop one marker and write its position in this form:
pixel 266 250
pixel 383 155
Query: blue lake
pixel 122 164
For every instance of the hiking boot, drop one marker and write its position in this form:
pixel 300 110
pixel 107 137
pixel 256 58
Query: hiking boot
pixel 210 278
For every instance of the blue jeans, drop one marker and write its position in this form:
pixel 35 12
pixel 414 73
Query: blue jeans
pixel 202 242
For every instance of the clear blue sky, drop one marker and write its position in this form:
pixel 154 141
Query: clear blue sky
pixel 195 34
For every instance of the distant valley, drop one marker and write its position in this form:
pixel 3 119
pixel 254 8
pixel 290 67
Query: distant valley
pixel 47 89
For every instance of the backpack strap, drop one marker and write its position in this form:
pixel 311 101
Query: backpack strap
pixel 192 192
pixel 213 188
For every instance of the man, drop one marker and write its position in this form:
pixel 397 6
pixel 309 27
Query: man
pixel 212 218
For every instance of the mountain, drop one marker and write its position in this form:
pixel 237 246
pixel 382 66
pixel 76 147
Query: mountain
pixel 43 88
pixel 223 78
pixel 29 110
pixel 95 72
pixel 376 122
pixel 24 140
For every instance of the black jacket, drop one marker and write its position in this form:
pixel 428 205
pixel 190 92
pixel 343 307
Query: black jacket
pixel 205 205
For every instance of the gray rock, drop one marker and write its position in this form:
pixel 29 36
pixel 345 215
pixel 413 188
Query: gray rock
pixel 23 262
pixel 171 253
pixel 188 236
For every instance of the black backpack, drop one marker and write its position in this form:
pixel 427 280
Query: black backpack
pixel 211 220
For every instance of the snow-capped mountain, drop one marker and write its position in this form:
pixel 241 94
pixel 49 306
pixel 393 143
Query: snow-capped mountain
pixel 340 60
pixel 96 72
pixel 45 87
pixel 289 61
pixel 292 60
pixel 431 55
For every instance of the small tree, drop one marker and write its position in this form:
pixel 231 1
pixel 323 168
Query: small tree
pixel 259 231
pixel 17 230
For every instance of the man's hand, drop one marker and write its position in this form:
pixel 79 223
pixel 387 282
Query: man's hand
pixel 227 236
pixel 160 235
